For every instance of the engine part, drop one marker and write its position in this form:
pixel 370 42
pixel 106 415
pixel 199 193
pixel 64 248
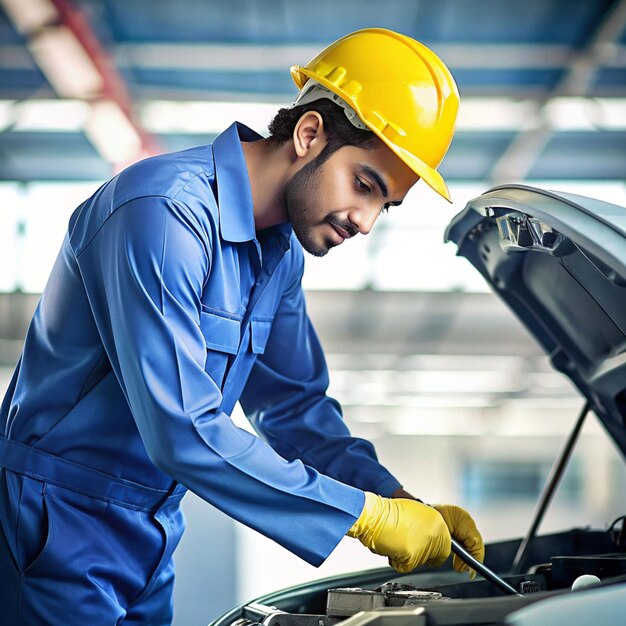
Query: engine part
pixel 343 602
pixel 586 580
pixel 529 586
pixel 412 598
pixel 393 587
pixel 406 594
pixel 566 569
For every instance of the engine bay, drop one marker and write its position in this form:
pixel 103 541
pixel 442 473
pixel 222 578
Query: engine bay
pixel 435 598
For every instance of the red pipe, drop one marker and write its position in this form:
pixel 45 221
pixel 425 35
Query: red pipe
pixel 114 86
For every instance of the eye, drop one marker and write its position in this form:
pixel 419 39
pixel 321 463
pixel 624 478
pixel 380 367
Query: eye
pixel 385 209
pixel 361 186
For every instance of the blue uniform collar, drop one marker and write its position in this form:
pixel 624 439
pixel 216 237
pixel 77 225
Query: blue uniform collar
pixel 234 196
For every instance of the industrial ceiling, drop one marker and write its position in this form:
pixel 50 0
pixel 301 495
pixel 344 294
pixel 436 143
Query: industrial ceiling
pixel 543 82
pixel 87 86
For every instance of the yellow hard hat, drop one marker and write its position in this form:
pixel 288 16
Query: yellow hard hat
pixel 399 88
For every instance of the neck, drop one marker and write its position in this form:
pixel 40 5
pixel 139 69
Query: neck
pixel 269 170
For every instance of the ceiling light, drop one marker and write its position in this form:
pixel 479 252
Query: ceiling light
pixel 51 115
pixel 112 133
pixel 6 114
pixel 162 116
pixel 612 113
pixel 66 65
pixel 445 422
pixel 30 15
pixel 494 114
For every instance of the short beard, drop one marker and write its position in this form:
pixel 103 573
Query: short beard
pixel 301 194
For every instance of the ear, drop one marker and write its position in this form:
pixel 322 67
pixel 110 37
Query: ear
pixel 308 133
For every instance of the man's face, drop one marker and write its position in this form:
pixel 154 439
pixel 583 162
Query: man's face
pixel 329 203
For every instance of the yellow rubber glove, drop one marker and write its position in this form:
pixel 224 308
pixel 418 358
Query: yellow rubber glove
pixel 408 532
pixel 463 529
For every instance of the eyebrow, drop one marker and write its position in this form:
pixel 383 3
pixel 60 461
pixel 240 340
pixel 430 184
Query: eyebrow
pixel 380 181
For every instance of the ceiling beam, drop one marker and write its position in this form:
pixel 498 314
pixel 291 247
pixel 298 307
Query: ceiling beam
pixel 66 49
pixel 244 57
pixel 522 153
pixel 241 57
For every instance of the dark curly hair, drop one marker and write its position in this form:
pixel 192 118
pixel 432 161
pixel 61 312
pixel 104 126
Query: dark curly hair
pixel 338 129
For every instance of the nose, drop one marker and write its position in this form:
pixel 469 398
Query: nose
pixel 364 218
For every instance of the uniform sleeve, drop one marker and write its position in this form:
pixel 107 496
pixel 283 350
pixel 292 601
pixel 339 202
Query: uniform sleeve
pixel 285 399
pixel 144 273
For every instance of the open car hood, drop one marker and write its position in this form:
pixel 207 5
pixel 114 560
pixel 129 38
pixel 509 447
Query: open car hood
pixel 558 260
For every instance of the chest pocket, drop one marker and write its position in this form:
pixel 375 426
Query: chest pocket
pixel 221 336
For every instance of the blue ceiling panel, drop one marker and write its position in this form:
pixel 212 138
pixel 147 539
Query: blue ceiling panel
pixel 568 155
pixel 611 79
pixel 17 84
pixel 506 80
pixel 530 21
pixel 472 154
pixel 279 82
pixel 293 21
pixel 49 156
pixel 242 21
pixel 583 155
pixel 8 34
pixel 275 82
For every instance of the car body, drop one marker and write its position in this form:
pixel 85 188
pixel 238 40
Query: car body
pixel 559 262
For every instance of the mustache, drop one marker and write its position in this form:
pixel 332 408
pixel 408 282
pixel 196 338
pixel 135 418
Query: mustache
pixel 346 225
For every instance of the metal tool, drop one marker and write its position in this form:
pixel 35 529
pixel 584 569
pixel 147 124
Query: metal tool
pixel 483 570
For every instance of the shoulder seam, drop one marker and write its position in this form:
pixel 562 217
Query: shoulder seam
pixel 200 173
pixel 119 206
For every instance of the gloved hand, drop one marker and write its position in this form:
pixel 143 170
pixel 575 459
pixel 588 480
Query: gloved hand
pixel 408 532
pixel 463 529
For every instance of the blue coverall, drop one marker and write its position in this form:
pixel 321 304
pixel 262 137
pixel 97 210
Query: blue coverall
pixel 164 308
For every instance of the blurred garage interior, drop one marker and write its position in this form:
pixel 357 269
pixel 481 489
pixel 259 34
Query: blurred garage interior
pixel 461 403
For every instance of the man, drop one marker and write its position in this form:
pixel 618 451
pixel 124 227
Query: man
pixel 176 294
